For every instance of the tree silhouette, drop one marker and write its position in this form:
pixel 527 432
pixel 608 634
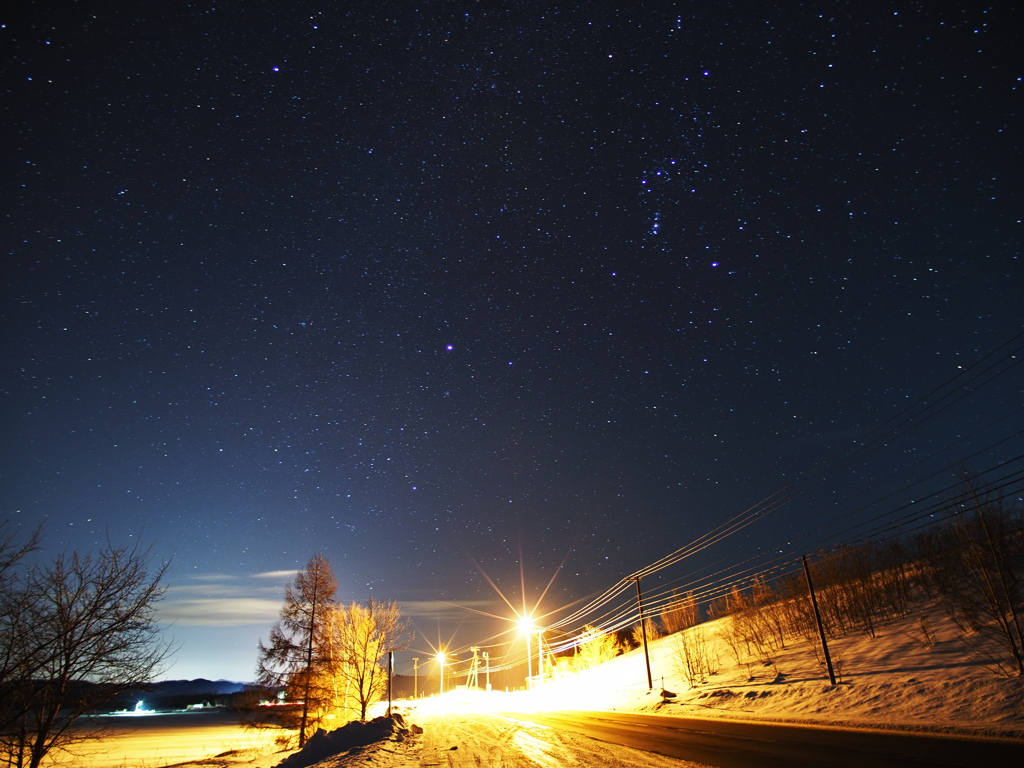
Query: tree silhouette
pixel 297 654
pixel 76 634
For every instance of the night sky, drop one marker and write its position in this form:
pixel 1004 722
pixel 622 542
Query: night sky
pixel 447 289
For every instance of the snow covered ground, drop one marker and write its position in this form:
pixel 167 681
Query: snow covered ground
pixel 893 680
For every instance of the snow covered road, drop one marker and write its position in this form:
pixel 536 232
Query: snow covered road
pixel 475 740
pixel 552 740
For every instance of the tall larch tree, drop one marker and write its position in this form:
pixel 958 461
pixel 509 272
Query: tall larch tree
pixel 300 639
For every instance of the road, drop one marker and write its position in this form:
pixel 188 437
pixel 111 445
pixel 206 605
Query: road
pixel 737 744
pixel 471 740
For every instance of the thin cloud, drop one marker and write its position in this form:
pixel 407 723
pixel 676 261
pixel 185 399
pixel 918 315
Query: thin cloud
pixel 214 588
pixel 275 575
pixel 440 609
pixel 219 612
pixel 210 577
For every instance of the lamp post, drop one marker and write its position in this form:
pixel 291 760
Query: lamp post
pixel 526 627
pixel 440 666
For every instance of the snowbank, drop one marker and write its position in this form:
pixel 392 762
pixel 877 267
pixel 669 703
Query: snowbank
pixel 346 740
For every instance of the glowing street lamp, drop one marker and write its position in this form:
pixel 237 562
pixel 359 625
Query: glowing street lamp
pixel 440 665
pixel 526 627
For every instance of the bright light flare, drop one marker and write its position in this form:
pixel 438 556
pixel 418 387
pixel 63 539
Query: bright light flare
pixel 545 698
pixel 525 624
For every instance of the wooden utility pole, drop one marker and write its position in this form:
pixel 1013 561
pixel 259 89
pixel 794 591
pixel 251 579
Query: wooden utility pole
pixel 391 674
pixel 817 619
pixel 540 656
pixel 643 631
pixel 473 680
pixel 415 677
pixel 529 660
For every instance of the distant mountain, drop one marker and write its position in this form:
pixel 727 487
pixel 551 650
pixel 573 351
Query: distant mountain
pixel 198 686
pixel 179 694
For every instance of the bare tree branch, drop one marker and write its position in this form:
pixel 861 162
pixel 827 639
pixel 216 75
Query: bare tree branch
pixel 84 632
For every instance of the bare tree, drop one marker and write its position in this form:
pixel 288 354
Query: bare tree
pixel 595 647
pixel 298 647
pixel 363 636
pixel 91 622
pixel 13 552
pixel 648 626
pixel 979 566
pixel 681 613
pixel 20 649
pixel 769 605
pixel 692 655
pixel 691 648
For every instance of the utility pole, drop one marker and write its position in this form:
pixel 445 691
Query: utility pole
pixel 529 660
pixel 817 619
pixel 473 680
pixel 415 677
pixel 643 631
pixel 391 674
pixel 540 655
pixel 487 663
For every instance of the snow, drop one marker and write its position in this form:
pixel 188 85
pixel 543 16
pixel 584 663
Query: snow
pixel 892 680
pixel 895 680
pixel 471 739
pixel 347 739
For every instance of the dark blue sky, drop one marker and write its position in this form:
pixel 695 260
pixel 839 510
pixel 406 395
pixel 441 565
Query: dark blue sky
pixel 417 285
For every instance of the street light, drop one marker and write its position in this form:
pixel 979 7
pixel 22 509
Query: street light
pixel 440 664
pixel 526 627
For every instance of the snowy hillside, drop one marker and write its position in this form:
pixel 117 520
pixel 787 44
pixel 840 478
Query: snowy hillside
pixel 895 679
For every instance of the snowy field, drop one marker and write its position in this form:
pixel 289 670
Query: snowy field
pixel 894 681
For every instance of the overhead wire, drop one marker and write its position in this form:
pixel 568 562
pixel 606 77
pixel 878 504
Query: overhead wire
pixel 611 612
pixel 923 409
